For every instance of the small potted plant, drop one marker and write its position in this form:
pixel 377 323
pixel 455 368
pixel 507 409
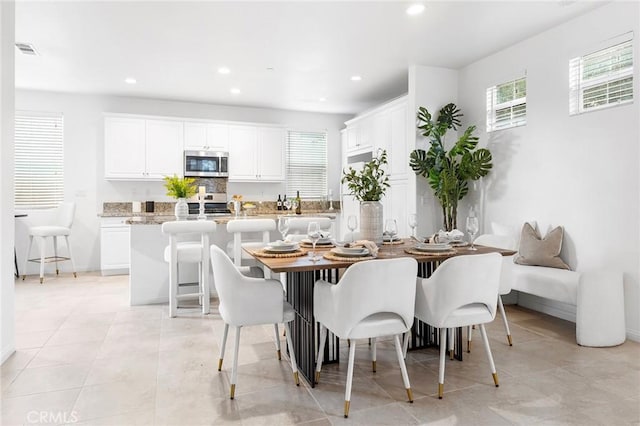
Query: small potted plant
pixel 181 189
pixel 368 186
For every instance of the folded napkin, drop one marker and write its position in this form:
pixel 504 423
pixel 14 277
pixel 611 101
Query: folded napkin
pixel 447 237
pixel 369 245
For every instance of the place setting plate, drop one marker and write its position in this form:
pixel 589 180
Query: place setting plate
pixel 322 242
pixel 350 251
pixel 281 247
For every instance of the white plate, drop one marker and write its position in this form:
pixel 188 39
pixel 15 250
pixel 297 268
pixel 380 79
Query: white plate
pixel 432 247
pixel 321 241
pixel 282 247
pixel 350 252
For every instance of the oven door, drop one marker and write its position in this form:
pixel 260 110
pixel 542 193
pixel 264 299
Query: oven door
pixel 205 164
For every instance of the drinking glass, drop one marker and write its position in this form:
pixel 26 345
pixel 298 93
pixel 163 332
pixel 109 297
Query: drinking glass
pixel 352 224
pixel 313 232
pixel 472 229
pixel 287 204
pixel 413 222
pixel 283 226
pixel 391 228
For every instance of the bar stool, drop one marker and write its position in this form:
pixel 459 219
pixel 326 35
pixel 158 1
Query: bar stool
pixel 58 223
pixel 238 227
pixel 188 252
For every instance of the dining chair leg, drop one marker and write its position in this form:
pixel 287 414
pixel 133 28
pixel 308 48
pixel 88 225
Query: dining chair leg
pixel 278 352
pixel 443 354
pixel 292 355
pixel 403 368
pixel 173 288
pixel 488 349
pixel 42 256
pixel 450 341
pixel 206 291
pixel 55 253
pixel 234 368
pixel 469 335
pixel 347 392
pixel 504 320
pixel 223 345
pixel 373 353
pixel 323 340
pixel 26 258
pixel 73 263
pixel 406 337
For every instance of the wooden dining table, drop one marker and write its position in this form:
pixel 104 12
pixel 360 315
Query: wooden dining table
pixel 302 272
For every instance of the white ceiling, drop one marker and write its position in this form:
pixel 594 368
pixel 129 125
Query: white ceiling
pixel 174 48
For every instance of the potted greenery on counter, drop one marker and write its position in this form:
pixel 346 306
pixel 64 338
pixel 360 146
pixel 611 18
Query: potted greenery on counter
pixel 180 189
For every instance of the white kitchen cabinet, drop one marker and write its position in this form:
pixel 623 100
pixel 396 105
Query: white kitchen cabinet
pixel 142 149
pixel 203 136
pixel 256 154
pixel 399 151
pixel 395 206
pixel 114 246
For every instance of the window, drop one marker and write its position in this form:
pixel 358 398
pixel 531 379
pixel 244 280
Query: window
pixel 307 164
pixel 507 105
pixel 38 159
pixel 602 79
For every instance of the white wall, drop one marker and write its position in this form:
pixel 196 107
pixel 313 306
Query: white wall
pixel 7 308
pixel 580 171
pixel 432 88
pixel 84 160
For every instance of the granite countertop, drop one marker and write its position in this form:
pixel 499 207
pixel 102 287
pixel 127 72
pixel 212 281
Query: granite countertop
pixel 159 219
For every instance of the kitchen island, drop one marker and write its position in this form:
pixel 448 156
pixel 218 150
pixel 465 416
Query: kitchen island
pixel 149 273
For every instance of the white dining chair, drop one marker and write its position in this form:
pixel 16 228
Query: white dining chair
pixel 239 228
pixel 299 225
pixel 53 223
pixel 248 301
pixel 503 242
pixel 178 252
pixel 372 299
pixel 461 292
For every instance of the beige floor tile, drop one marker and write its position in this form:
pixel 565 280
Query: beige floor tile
pixel 383 415
pixel 33 339
pixel 89 320
pixel 146 328
pixel 19 360
pixel 42 408
pixel 111 399
pixel 67 336
pixel 451 410
pixel 135 418
pixel 47 379
pixel 77 353
pixel 6 378
pixel 133 368
pixel 123 346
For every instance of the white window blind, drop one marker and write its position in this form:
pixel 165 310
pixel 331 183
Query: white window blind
pixel 306 164
pixel 507 105
pixel 38 159
pixel 601 79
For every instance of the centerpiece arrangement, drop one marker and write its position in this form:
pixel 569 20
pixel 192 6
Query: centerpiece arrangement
pixel 180 189
pixel 368 186
pixel 448 172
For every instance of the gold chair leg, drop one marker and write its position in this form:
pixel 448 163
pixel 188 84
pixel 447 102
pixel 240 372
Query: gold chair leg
pixel 296 378
pixel 233 390
pixel 279 355
pixel 451 354
pixel 440 390
pixel 220 364
pixel 317 377
pixel 41 280
pixel 57 272
pixel 495 379
pixel 468 346
pixel 24 277
pixel 509 339
pixel 410 395
pixel 346 409
pixel 75 275
pixel 374 366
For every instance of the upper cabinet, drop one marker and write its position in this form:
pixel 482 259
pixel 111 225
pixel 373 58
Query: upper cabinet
pixel 202 136
pixel 139 148
pixel 256 154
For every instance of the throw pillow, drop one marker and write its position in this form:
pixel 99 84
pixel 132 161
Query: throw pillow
pixel 536 251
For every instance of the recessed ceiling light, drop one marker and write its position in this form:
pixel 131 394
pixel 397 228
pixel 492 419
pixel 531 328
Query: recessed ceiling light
pixel 130 80
pixel 223 70
pixel 235 91
pixel 356 78
pixel 415 9
pixel 27 48
pixel 270 68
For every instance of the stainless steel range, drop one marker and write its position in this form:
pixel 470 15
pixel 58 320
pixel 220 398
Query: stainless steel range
pixel 214 205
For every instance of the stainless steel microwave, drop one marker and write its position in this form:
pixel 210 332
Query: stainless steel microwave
pixel 206 164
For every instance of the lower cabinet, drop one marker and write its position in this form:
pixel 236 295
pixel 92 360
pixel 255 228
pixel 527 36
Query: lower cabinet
pixel 114 246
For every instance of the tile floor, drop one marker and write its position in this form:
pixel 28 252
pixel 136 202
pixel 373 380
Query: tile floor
pixel 84 356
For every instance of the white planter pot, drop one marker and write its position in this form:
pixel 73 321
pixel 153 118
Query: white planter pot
pixel 371 226
pixel 182 209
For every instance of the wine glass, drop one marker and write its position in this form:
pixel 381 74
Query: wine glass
pixel 413 222
pixel 283 226
pixel 313 232
pixel 391 229
pixel 352 224
pixel 287 204
pixel 472 229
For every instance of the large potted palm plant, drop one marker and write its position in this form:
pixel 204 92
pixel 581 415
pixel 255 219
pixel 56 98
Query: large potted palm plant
pixel 449 171
pixel 368 186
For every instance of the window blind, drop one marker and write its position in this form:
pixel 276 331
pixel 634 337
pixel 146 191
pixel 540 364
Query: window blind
pixel 306 164
pixel 601 79
pixel 507 105
pixel 39 158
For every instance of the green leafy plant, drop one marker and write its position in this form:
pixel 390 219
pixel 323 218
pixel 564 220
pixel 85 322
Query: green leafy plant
pixel 370 183
pixel 178 187
pixel 448 172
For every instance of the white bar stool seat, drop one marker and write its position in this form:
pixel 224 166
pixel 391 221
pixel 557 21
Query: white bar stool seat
pixel 178 252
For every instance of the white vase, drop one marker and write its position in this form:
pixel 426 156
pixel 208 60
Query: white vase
pixel 371 226
pixel 182 209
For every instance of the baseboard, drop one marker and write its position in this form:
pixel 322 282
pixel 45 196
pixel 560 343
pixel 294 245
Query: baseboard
pixel 108 272
pixel 633 335
pixel 547 306
pixel 6 353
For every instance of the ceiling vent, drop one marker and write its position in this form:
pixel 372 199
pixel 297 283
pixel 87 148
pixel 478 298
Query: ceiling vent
pixel 27 49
